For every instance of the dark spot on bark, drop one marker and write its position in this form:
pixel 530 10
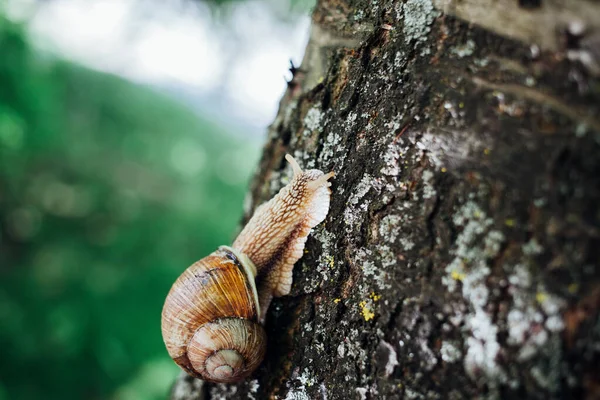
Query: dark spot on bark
pixel 286 136
pixel 530 3
pixel 391 325
pixel 293 69
pixel 326 103
pixel 572 40
pixel 352 102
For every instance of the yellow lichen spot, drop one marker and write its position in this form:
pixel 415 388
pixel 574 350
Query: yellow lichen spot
pixel 337 300
pixel 366 311
pixel 541 297
pixel 330 261
pixel 457 276
pixel 461 105
pixel 374 296
pixel 444 169
pixel 509 222
pixel 487 151
pixel 573 288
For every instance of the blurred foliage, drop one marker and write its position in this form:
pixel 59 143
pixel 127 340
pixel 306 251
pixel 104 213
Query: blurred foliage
pixel 108 191
pixel 285 10
pixel 282 8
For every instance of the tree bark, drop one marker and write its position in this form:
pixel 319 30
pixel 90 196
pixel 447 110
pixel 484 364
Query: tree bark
pixel 460 255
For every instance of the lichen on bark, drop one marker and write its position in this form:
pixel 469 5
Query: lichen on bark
pixel 459 258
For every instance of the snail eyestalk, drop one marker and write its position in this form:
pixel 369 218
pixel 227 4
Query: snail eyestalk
pixel 295 167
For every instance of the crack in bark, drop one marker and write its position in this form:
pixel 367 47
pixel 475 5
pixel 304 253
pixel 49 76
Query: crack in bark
pixel 536 96
pixel 540 25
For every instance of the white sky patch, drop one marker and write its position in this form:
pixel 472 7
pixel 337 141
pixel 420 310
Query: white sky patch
pixel 181 51
pixel 88 33
pixel 258 80
pixel 239 62
pixel 120 37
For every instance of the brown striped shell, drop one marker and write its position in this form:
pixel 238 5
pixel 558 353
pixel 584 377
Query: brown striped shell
pixel 210 318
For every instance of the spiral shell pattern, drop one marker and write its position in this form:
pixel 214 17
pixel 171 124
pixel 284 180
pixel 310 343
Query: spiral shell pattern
pixel 210 319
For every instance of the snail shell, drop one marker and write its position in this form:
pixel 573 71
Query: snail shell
pixel 210 318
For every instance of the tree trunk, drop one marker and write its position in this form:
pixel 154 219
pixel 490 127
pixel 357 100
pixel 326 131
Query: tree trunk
pixel 460 255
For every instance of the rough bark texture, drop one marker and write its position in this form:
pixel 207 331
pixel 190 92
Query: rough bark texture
pixel 460 255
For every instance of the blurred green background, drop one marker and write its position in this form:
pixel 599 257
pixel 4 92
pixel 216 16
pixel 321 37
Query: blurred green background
pixel 108 190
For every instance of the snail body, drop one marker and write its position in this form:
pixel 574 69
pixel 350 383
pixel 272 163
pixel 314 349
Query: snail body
pixel 213 315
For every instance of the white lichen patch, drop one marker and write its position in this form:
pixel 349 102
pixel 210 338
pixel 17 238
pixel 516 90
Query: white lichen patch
pixel 532 248
pixel 221 391
pixel 426 355
pixel 469 254
pixel 387 257
pixel 341 350
pixel 390 357
pixel 406 243
pixel 312 120
pixel 365 184
pixel 535 314
pixel 534 318
pixel 297 394
pixel 475 246
pixel 333 139
pixel 361 392
pixel 327 265
pixel 465 49
pixel 326 238
pixel 399 61
pixel 411 394
pixel 358 15
pixel 298 386
pixel 185 388
pixel 428 188
pixel 253 387
pixel 418 16
pixel 353 355
pixel 364 259
pixel 306 378
pixel 350 121
pixel 483 348
pixel 449 106
pixel 554 323
pixel 450 352
pixel 389 227
pixel 452 148
pixel 520 277
pixel 331 151
pixel 391 157
pixel 356 208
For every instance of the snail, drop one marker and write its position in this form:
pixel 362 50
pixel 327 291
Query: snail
pixel 213 316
